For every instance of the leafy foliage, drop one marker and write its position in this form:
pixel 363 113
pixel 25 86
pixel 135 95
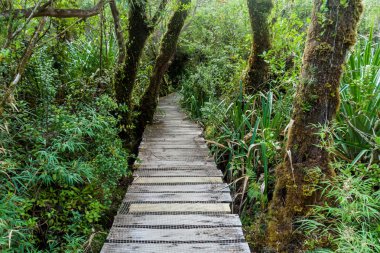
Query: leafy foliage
pixel 351 222
pixel 61 158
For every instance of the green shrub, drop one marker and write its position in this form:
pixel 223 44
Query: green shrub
pixel 350 222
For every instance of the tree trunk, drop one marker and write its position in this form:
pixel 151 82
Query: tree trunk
pixel 168 47
pixel 256 75
pixel 138 32
pixel 331 34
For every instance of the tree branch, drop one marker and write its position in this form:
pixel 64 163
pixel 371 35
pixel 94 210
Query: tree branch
pixel 45 11
pixel 8 94
pixel 157 16
pixel 118 31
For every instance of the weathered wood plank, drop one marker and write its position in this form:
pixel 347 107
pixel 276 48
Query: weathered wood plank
pixel 176 235
pixel 173 146
pixel 179 188
pixel 182 154
pixel 175 248
pixel 176 167
pixel 132 197
pixel 222 220
pixel 177 180
pixel 183 159
pixel 180 207
pixel 185 139
pixel 154 132
pixel 163 164
pixel 144 153
pixel 178 173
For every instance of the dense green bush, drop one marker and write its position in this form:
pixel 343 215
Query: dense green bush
pixel 61 158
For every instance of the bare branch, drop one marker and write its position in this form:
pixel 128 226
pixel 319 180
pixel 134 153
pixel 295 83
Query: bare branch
pixel 45 11
pixel 27 20
pixel 8 94
pixel 118 31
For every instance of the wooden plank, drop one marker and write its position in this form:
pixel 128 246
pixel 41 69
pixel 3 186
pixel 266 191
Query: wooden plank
pixel 174 130
pixel 164 124
pixel 132 197
pixel 181 159
pixel 162 164
pixel 173 137
pixel 177 167
pixel 175 152
pixel 176 235
pixel 179 172
pixel 179 188
pixel 222 220
pixel 190 147
pixel 169 134
pixel 175 248
pixel 180 207
pixel 176 180
pixel 180 154
pixel 173 146
pixel 175 140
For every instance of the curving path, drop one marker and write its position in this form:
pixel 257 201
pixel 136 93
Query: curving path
pixel 177 201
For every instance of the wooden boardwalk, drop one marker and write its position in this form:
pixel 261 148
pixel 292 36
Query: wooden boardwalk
pixel 177 201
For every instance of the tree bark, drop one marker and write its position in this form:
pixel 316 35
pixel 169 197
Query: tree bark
pixel 139 30
pixel 256 75
pixel 168 47
pixel 306 164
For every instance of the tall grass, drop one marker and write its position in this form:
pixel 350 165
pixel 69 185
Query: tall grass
pixel 245 137
pixel 358 135
pixel 349 223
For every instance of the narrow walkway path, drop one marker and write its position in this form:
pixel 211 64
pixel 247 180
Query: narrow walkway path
pixel 177 201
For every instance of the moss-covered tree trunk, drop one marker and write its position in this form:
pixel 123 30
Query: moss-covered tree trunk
pixel 139 30
pixel 306 164
pixel 138 33
pixel 168 47
pixel 256 75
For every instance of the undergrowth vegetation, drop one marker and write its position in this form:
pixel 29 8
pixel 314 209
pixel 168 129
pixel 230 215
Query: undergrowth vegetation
pixel 61 158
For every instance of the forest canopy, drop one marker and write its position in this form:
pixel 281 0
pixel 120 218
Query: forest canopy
pixel 287 93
